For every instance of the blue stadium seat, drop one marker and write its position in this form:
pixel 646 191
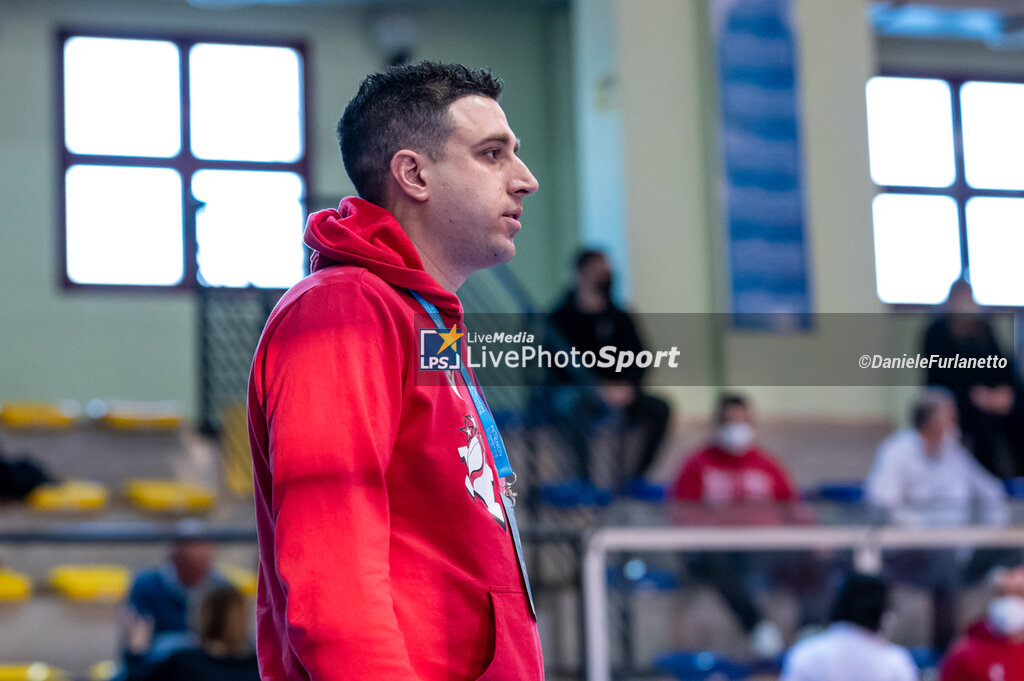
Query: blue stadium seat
pixel 646 491
pixel 926 658
pixel 573 493
pixel 841 491
pixel 1015 487
pixel 701 666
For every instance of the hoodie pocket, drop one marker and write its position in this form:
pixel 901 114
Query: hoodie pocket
pixel 516 646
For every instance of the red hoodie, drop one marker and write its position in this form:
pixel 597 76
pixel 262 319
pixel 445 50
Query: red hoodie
pixel 385 551
pixel 983 655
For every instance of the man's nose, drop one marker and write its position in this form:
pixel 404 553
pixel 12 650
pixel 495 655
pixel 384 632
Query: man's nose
pixel 525 183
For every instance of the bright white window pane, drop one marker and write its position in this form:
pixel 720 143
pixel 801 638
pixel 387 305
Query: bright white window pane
pixel 122 97
pixel 917 247
pixel 249 232
pixel 993 123
pixel 995 242
pixel 124 225
pixel 246 102
pixel 910 132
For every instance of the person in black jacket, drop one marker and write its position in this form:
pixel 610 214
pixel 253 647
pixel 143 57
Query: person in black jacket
pixel 988 399
pixel 588 319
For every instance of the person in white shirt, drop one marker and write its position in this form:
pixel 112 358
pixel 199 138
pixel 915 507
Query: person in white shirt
pixel 923 475
pixel 853 647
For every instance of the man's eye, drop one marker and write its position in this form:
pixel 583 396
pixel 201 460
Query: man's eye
pixel 492 153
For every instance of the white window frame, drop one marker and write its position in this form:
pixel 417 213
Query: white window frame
pixel 184 163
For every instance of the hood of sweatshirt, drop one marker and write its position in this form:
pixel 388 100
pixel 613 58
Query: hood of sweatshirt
pixel 363 234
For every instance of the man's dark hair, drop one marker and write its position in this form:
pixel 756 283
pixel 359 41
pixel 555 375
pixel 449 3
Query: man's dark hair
pixel 729 400
pixel 862 600
pixel 403 107
pixel 587 256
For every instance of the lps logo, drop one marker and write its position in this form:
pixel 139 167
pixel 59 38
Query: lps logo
pixel 439 349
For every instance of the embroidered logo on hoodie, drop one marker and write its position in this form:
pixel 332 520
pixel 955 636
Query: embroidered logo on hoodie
pixel 480 476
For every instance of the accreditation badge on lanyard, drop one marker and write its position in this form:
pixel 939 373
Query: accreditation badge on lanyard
pixel 494 442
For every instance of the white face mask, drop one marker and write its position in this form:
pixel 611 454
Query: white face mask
pixel 735 438
pixel 1006 615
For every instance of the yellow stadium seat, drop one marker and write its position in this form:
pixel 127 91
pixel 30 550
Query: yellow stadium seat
pixel 37 671
pixel 70 495
pixel 170 495
pixel 132 415
pixel 103 671
pixel 14 586
pixel 142 422
pixel 38 415
pixel 243 580
pixel 91 583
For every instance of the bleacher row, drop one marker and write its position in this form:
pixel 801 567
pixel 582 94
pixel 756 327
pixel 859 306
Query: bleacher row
pixel 74 495
pixel 122 471
pixel 98 583
pixel 116 414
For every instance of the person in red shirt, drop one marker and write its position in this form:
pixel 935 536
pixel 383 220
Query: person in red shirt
pixel 993 647
pixel 388 543
pixel 732 469
pixel 735 482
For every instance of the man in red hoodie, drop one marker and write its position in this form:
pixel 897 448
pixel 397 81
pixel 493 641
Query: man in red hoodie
pixel 993 648
pixel 388 547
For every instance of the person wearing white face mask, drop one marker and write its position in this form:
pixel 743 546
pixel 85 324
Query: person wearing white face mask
pixel 737 482
pixel 732 469
pixel 993 647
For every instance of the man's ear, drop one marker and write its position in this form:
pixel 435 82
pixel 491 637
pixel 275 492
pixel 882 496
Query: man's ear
pixel 407 171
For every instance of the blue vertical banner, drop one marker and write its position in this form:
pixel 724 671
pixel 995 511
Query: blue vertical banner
pixel 760 187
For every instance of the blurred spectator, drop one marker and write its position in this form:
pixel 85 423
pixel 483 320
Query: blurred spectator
pixel 588 319
pixel 988 399
pixel 224 652
pixel 853 648
pixel 162 613
pixel 923 477
pixel 739 483
pixel 993 647
pixel 731 468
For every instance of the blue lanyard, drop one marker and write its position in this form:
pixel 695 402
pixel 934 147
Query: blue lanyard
pixel 490 428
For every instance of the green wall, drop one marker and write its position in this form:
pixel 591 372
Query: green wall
pixel 60 344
